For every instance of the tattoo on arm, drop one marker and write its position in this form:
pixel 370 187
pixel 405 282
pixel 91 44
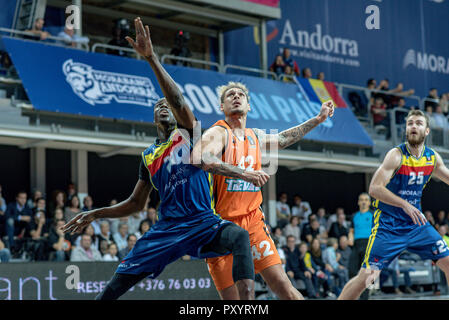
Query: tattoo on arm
pixel 210 163
pixel 290 136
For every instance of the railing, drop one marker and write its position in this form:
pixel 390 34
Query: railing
pixel 191 60
pixel 118 48
pixel 59 41
pixel 255 70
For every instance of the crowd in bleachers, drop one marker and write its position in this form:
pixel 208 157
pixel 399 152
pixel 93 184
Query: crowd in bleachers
pixel 30 229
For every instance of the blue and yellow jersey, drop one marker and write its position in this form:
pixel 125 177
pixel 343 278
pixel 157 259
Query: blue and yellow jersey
pixel 408 182
pixel 184 190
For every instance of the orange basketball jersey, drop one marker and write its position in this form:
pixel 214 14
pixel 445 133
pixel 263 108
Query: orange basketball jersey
pixel 235 197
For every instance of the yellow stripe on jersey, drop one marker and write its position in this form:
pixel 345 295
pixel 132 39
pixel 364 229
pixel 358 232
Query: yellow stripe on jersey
pixel 372 237
pixel 422 162
pixel 211 192
pixel 149 173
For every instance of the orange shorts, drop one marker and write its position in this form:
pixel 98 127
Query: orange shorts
pixel 262 247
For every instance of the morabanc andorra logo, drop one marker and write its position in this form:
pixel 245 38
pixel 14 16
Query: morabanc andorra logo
pixel 101 87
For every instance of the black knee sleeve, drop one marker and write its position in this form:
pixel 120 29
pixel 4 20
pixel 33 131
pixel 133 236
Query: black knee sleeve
pixel 119 284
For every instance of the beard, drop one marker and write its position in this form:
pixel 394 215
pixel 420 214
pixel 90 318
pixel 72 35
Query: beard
pixel 415 140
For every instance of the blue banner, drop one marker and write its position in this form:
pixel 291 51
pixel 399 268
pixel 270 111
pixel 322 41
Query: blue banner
pixel 333 37
pixel 73 81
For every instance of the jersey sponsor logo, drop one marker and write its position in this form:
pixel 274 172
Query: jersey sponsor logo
pixel 238 185
pixel 410 193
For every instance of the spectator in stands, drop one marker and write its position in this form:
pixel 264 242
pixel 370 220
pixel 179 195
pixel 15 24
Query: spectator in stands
pixel 279 236
pixel 442 230
pixel 114 223
pixel 60 244
pixel 144 226
pixel 5 254
pixel 113 202
pixel 339 228
pixel 345 251
pixel 292 229
pixel 18 217
pixel 152 215
pixel 432 99
pixel 380 115
pixel 111 254
pixel 320 76
pixel 393 270
pixel 441 218
pixel 95 241
pixel 301 209
pixel 88 203
pixel 58 201
pixel 37 30
pixel 288 60
pixel 39 206
pixel 440 119
pixel 39 234
pixel 37 194
pixel 105 234
pixel 104 244
pixel 73 209
pixel 318 277
pixel 430 114
pixel 306 73
pixel 70 38
pixel 282 210
pixel 429 216
pixel 181 48
pixel 288 72
pixel 120 238
pixel 134 221
pixel 130 242
pixel 281 252
pixel 296 269
pixel 314 230
pixel 71 192
pixel 331 259
pixel 85 252
pixel 321 216
pixel 58 215
pixel 278 65
pixel 333 218
pixel 119 32
pixel 444 103
pixel 317 257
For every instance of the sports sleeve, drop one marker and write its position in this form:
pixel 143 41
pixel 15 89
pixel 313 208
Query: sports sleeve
pixel 143 173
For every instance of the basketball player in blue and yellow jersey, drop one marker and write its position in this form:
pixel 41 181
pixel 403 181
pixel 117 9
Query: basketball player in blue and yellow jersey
pixel 399 224
pixel 188 223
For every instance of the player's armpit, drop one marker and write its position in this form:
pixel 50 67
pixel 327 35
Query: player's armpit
pixel 441 171
pixel 210 148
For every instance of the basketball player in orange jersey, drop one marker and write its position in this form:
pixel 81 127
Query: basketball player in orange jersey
pixel 232 150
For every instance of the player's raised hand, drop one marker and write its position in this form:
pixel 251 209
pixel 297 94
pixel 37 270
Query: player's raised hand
pixel 327 110
pixel 415 214
pixel 142 44
pixel 78 223
pixel 257 178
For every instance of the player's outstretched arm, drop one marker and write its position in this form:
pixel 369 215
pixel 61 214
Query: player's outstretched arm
pixel 134 203
pixel 378 190
pixel 207 154
pixel 290 136
pixel 441 171
pixel 143 46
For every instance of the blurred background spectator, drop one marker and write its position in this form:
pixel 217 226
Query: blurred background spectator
pixel 278 65
pixel 37 30
pixel 130 242
pixel 70 38
pixel 282 210
pixel 85 251
pixel 181 48
pixel 119 32
pixel 289 61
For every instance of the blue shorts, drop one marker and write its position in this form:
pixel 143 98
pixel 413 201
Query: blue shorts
pixel 168 240
pixel 390 237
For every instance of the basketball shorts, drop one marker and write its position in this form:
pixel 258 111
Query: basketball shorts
pixel 262 246
pixel 170 239
pixel 390 237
